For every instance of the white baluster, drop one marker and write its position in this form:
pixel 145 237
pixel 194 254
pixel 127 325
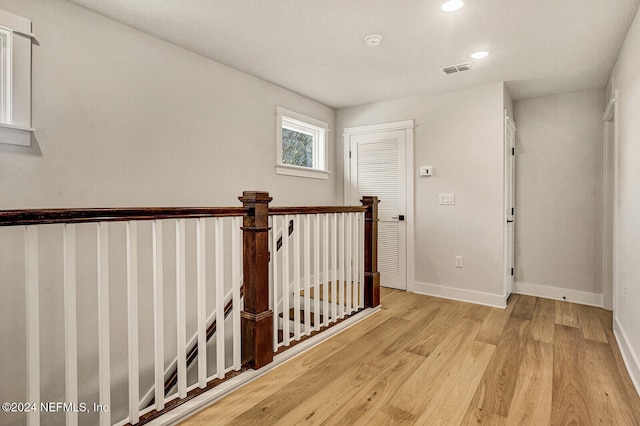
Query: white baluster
pixel 70 321
pixel 361 276
pixel 307 274
pixel 334 265
pixel 33 323
pixel 219 263
pixel 158 313
pixel 274 278
pixel 296 278
pixel 342 255
pixel 104 358
pixel 201 291
pixel 316 271
pixel 270 237
pixel 285 283
pixel 325 268
pixel 348 283
pixel 132 312
pixel 181 310
pixel 236 265
pixel 355 255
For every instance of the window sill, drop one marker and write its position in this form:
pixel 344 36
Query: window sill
pixel 15 135
pixel 286 169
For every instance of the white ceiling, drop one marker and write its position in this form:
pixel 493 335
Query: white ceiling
pixel 316 47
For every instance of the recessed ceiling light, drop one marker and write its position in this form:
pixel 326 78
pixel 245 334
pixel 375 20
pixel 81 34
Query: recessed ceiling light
pixel 373 40
pixel 480 55
pixel 452 5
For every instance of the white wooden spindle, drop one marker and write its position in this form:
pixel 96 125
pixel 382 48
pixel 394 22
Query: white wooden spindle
pixel 334 265
pixel 341 256
pixel 325 269
pixel 104 358
pixel 274 279
pixel 271 234
pixel 236 266
pixel 201 301
pixel 353 262
pixel 296 278
pixel 181 309
pixel 307 274
pixel 285 281
pixel 132 312
pixel 219 263
pixel 361 276
pixel 70 321
pixel 33 323
pixel 348 258
pixel 158 314
pixel 316 271
pixel 355 250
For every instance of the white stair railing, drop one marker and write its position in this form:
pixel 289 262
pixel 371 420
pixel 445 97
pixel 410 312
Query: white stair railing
pixel 133 253
pixel 317 278
pixel 126 288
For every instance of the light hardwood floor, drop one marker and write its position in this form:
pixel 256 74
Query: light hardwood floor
pixel 428 361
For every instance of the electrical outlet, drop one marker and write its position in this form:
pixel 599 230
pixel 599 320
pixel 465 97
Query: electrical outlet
pixel 447 199
pixel 459 262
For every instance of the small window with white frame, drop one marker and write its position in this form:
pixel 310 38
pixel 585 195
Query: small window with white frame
pixel 302 145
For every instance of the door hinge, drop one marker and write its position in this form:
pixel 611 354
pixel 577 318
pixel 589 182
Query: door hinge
pixel 511 271
pixel 513 151
pixel 512 211
pixel 349 154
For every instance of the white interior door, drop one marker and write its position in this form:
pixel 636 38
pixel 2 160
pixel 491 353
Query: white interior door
pixel 378 169
pixel 509 204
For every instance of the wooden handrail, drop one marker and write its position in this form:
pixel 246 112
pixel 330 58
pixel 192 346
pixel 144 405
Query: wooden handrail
pixel 279 211
pixel 50 216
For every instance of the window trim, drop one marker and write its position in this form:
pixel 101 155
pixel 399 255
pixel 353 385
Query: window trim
pixel 15 117
pixel 304 124
pixel 5 75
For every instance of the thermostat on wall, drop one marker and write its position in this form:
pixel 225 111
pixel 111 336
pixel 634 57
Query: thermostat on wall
pixel 426 171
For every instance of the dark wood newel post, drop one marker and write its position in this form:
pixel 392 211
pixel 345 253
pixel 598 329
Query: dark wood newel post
pixel 371 274
pixel 257 318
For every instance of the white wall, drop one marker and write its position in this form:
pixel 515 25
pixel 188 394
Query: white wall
pixel 626 78
pixel 125 119
pixel 559 181
pixel 460 134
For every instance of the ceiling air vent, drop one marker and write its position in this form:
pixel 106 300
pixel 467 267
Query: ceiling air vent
pixel 456 68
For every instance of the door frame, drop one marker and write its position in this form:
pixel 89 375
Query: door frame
pixel 611 115
pixel 407 126
pixel 509 175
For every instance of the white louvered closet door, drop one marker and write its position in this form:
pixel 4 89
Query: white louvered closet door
pixel 378 168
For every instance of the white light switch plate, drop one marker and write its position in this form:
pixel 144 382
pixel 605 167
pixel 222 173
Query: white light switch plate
pixel 447 199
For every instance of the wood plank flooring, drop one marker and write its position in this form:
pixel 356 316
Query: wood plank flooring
pixel 428 361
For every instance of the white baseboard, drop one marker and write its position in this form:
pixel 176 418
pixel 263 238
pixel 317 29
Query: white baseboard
pixel 459 294
pixel 628 355
pixel 557 293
